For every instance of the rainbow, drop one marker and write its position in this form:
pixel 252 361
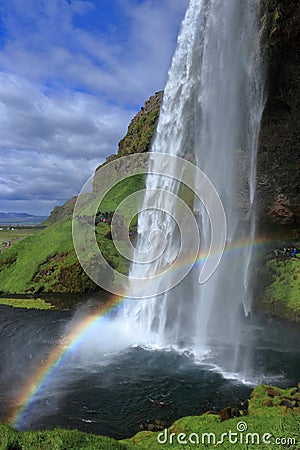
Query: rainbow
pixel 60 353
pixel 56 359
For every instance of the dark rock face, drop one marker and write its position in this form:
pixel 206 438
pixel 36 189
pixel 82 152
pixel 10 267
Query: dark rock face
pixel 278 163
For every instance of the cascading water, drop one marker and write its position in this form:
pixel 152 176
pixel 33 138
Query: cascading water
pixel 211 112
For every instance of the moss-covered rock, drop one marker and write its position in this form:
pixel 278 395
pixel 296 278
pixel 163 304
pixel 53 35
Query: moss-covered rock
pixel 266 421
pixel 141 128
pixel 137 140
pixel 280 401
pixel 281 293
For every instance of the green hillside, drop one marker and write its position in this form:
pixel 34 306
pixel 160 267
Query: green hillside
pixel 47 262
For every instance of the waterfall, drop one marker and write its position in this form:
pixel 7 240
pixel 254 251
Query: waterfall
pixel 211 112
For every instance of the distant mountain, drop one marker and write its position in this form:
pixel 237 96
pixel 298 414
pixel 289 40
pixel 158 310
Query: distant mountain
pixel 14 218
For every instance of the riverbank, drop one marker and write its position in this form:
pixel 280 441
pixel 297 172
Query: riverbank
pixel 56 301
pixel 272 418
pixel 28 303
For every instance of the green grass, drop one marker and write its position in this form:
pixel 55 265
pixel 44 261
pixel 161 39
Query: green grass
pixel 121 191
pixel 282 297
pixel 29 303
pixel 14 236
pixel 17 233
pixel 57 439
pixel 20 263
pixel 46 260
pixel 190 427
pixel 271 397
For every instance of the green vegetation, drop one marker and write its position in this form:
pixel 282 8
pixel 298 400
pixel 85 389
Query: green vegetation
pixel 46 261
pixel 139 135
pixel 137 140
pixel 20 263
pixel 273 413
pixel 278 401
pixel 211 430
pixel 282 295
pixel 55 440
pixel 28 303
pixel 120 192
pixel 271 410
pixel 12 236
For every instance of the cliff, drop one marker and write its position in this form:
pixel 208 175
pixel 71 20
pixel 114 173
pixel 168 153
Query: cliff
pixel 141 129
pixel 137 140
pixel 277 283
pixel 278 159
pixel 61 212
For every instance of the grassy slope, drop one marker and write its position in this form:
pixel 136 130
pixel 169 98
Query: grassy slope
pixel 46 261
pixel 264 416
pixel 282 295
pixel 55 440
pixel 20 263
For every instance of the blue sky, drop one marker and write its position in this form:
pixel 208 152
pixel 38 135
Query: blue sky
pixel 72 75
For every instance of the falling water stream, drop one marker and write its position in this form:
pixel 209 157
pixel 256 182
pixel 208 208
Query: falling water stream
pixel 211 113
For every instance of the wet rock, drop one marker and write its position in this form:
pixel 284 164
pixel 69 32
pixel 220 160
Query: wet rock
pixel 271 392
pixel 286 403
pixel 211 412
pixel 229 413
pixel 267 402
pixel 158 425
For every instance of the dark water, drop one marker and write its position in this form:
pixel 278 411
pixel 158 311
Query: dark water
pixel 116 394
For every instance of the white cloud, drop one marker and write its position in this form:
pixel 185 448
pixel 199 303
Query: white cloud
pixel 71 124
pixel 69 89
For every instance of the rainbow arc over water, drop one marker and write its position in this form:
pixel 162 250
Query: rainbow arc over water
pixel 59 355
pixel 56 360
